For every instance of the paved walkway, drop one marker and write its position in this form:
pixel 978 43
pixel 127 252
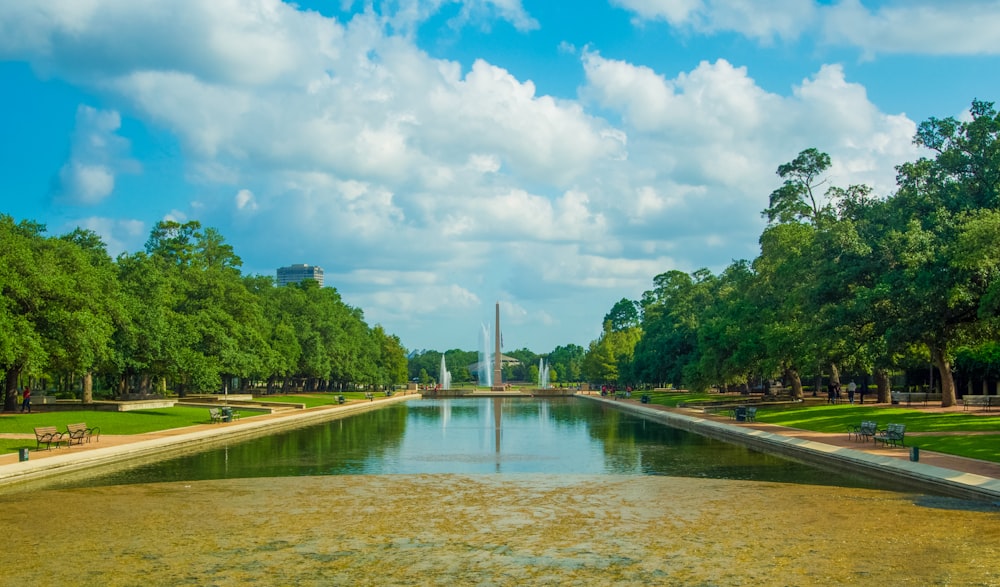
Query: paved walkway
pixel 980 477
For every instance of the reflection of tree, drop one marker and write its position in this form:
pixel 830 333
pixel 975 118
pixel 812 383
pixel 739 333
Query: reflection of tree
pixel 342 446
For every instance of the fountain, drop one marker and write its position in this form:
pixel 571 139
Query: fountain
pixel 444 375
pixel 485 366
pixel 543 374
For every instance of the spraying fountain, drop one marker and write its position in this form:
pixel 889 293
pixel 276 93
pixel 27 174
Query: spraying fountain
pixel 543 374
pixel 444 375
pixel 485 366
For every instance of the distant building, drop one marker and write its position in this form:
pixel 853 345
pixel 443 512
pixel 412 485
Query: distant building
pixel 298 273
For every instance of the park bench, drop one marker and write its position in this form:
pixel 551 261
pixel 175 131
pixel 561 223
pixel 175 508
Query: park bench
pixel 369 396
pixel 982 401
pixel 892 435
pixel 867 429
pixel 215 414
pixel 49 436
pixel 751 415
pixel 912 397
pixel 77 433
pixel 341 399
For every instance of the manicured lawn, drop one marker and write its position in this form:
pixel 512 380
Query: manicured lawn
pixel 675 398
pixel 135 422
pixel 312 400
pixel 836 418
pixel 985 447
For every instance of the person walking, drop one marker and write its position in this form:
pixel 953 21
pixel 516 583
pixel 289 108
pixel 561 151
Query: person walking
pixel 26 402
pixel 851 388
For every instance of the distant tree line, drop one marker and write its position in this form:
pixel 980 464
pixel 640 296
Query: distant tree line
pixel 178 315
pixel 564 363
pixel 845 280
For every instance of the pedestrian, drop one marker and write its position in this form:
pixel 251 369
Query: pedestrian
pixel 26 402
pixel 861 394
pixel 851 388
pixel 831 393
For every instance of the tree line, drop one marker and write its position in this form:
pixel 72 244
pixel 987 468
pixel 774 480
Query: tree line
pixel 178 315
pixel 845 280
pixel 564 363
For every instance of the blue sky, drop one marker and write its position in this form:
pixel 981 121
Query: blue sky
pixel 437 156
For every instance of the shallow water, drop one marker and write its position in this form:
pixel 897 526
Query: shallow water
pixel 493 530
pixel 429 493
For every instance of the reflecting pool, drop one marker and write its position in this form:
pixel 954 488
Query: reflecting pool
pixel 490 492
pixel 482 436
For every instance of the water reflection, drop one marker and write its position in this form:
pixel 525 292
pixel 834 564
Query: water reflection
pixel 483 436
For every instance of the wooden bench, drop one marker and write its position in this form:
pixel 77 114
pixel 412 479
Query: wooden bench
pixel 892 435
pixel 982 401
pixel 49 436
pixel 867 429
pixel 215 414
pixel 77 433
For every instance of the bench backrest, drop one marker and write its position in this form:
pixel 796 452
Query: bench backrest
pixel 869 426
pixel 895 429
pixel 44 430
pixel 81 427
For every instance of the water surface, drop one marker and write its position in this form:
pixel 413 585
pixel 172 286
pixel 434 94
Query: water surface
pixel 483 436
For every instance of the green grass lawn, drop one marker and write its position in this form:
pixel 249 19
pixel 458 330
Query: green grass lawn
pixel 135 422
pixel 674 398
pixel 313 400
pixel 836 418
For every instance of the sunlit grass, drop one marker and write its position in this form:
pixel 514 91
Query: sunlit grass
pixel 134 422
pixel 985 447
pixel 836 418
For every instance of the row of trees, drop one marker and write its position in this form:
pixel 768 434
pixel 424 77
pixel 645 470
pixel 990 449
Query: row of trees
pixel 179 314
pixel 844 280
pixel 564 362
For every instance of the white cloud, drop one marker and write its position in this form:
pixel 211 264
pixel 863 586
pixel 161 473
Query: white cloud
pixel 785 19
pixel 424 187
pixel 919 27
pixel 928 27
pixel 245 200
pixel 120 235
pixel 97 154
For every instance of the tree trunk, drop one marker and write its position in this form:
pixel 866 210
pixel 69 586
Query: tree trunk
pixel 10 388
pixel 88 387
pixel 792 375
pixel 940 359
pixel 882 385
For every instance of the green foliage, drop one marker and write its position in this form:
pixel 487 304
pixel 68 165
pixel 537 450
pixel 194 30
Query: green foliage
pixel 178 314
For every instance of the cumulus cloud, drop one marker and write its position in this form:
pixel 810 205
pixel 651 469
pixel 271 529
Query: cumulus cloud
pixel 965 27
pixel 777 19
pixel 424 186
pixel 120 235
pixel 97 155
pixel 245 201
pixel 920 27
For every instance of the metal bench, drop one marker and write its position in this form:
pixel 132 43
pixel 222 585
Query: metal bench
pixel 893 435
pixel 863 431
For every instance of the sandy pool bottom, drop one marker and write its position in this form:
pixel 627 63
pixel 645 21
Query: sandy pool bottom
pixel 493 530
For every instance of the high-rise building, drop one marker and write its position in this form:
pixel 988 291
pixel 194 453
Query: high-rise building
pixel 299 272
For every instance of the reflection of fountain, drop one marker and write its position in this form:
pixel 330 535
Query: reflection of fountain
pixel 444 375
pixel 543 374
pixel 485 365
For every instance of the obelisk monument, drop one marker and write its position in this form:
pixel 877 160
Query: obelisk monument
pixel 497 362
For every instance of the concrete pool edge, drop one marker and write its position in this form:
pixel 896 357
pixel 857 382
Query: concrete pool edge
pixel 910 475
